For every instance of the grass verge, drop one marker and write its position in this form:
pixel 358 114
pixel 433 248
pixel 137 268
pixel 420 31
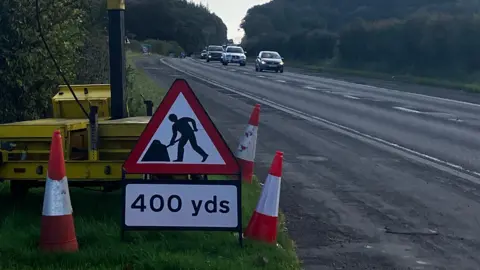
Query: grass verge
pixel 97 218
pixel 140 86
pixel 97 222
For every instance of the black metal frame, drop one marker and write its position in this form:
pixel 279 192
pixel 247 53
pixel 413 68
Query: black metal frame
pixel 237 183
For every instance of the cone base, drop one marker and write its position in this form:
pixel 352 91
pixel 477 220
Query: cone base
pixel 58 234
pixel 247 170
pixel 262 227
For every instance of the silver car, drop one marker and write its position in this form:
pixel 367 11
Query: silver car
pixel 269 60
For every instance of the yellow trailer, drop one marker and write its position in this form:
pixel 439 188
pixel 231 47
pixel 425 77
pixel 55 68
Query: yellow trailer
pixel 93 155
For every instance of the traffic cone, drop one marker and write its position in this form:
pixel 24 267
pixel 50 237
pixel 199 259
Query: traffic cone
pixel 248 144
pixel 57 229
pixel 263 224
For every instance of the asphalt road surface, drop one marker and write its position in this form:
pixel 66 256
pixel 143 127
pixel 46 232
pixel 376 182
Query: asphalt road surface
pixel 374 178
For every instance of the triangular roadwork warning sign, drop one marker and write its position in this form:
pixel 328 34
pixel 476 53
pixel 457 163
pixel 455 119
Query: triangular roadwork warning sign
pixel 181 139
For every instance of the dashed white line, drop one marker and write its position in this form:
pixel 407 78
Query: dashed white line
pixel 246 73
pixel 281 81
pixel 442 165
pixel 455 120
pixel 310 87
pixel 261 76
pixel 351 97
pixel 406 110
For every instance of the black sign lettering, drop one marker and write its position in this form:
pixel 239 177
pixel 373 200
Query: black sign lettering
pixel 224 208
pixel 174 204
pixel 211 205
pixel 179 203
pixel 196 207
pixel 139 203
pixel 152 203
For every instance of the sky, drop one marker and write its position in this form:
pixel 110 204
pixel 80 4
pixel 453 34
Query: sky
pixel 231 12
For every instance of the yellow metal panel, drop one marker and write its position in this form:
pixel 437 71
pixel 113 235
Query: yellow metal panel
pixel 65 106
pixel 127 127
pixel 42 128
pixel 79 170
pixel 116 4
pixel 95 91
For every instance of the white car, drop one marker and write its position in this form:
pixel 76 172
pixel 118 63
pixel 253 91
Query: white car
pixel 234 54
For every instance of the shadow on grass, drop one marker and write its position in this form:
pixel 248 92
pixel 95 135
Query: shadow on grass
pixel 97 223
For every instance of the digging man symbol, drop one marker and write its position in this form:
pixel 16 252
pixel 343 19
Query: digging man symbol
pixel 182 125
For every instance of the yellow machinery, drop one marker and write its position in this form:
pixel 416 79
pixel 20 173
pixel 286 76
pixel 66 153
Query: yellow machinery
pixel 94 155
pixel 97 133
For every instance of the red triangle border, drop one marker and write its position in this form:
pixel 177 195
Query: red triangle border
pixel 231 165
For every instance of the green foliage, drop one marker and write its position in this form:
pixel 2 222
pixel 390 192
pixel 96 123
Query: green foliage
pixel 189 24
pixel 76 32
pixel 27 75
pixel 156 46
pixel 418 37
pixel 164 47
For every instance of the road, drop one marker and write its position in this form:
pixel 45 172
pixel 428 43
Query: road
pixel 374 178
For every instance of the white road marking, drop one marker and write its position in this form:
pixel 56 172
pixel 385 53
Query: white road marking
pixel 246 73
pixel 281 81
pixel 350 84
pixel 406 110
pixel 261 76
pixel 351 97
pixel 437 163
pixel 401 92
pixel 310 87
pixel 455 120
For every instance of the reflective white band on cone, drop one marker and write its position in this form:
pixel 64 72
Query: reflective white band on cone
pixel 270 199
pixel 56 201
pixel 248 144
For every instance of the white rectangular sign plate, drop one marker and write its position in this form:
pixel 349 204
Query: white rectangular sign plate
pixel 181 205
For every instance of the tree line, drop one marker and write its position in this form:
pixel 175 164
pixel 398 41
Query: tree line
pixel 76 32
pixel 418 37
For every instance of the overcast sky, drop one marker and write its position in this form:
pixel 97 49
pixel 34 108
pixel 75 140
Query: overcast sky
pixel 231 12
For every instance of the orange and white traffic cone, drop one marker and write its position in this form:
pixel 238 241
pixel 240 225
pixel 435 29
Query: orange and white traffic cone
pixel 57 229
pixel 263 224
pixel 248 145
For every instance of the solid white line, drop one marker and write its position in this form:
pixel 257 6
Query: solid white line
pixel 406 110
pixel 445 166
pixel 351 97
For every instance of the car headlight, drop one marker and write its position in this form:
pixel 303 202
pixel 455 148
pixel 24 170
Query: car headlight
pixel 242 57
pixel 263 62
pixel 209 56
pixel 281 63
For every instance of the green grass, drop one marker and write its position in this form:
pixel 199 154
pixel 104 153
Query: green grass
pixel 97 222
pixel 139 84
pixel 97 219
